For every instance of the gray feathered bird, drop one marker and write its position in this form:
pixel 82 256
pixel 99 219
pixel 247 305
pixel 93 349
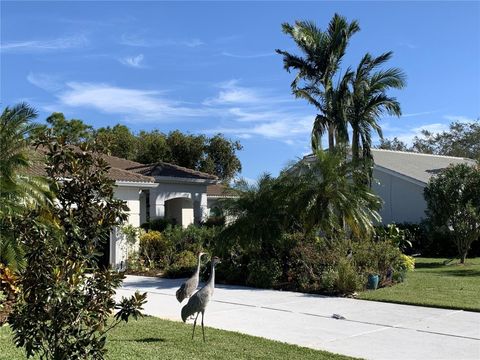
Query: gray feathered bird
pixel 199 301
pixel 188 287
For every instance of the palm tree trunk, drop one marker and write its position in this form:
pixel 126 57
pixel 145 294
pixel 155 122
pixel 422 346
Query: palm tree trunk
pixel 355 146
pixel 331 137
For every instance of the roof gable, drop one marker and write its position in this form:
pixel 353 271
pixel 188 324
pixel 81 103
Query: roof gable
pixel 163 169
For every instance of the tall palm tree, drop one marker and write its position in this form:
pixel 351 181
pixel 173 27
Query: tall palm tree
pixel 322 55
pixel 18 192
pixel 369 100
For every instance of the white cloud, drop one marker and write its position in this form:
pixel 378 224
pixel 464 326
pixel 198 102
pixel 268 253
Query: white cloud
pixel 45 81
pixel 133 104
pixel 139 41
pixel 285 129
pixel 69 42
pixel 260 112
pixel 420 113
pixel 459 118
pixel 133 61
pixel 231 93
pixel 407 135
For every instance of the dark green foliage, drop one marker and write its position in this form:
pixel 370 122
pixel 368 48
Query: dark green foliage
pixel 453 200
pixel 264 273
pixel 156 250
pixel 117 141
pixel 66 295
pixel 369 101
pixel 19 193
pixel 183 264
pixel 394 144
pixel 159 224
pixel 152 147
pixel 462 140
pixel 73 131
pixel 289 231
pixel 215 155
pixel 175 249
pixel 186 150
pixel 322 52
pixel 221 158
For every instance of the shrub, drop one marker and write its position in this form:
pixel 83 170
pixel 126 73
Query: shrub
pixel 263 273
pixel 159 224
pixel 155 249
pixel 233 270
pixel 347 280
pixel 329 280
pixel 2 299
pixel 183 264
pixel 305 266
pixel 453 201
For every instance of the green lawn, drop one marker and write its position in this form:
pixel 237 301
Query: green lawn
pixel 451 286
pixel 153 338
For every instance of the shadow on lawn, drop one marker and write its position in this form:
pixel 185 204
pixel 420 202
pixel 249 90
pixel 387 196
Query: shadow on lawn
pixel 429 265
pixel 460 272
pixel 150 340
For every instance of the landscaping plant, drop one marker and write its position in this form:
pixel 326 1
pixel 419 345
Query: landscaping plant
pixel 66 293
pixel 453 200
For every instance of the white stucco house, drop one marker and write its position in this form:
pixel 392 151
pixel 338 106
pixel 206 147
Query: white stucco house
pixel 159 190
pixel 400 179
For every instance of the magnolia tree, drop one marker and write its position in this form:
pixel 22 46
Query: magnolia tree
pixel 67 294
pixel 453 200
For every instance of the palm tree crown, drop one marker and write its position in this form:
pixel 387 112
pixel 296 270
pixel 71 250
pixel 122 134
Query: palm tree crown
pixel 322 55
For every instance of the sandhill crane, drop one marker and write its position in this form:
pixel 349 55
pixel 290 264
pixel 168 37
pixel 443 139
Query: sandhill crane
pixel 188 287
pixel 199 301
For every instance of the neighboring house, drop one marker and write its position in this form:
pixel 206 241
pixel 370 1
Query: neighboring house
pixel 400 179
pixel 159 190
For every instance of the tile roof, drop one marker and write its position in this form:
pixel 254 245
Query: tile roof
pixel 220 190
pixel 163 169
pixel 114 173
pixel 420 167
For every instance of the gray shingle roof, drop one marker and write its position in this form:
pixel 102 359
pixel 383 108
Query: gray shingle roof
pixel 420 167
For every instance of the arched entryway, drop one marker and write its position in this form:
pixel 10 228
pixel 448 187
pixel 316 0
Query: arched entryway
pixel 180 210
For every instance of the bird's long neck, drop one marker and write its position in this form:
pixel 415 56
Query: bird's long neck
pixel 211 280
pixel 198 264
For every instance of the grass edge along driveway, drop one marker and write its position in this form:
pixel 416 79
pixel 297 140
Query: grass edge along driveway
pixel 153 338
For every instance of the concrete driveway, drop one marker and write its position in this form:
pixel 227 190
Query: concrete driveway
pixel 370 330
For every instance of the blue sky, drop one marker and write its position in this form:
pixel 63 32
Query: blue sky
pixel 208 67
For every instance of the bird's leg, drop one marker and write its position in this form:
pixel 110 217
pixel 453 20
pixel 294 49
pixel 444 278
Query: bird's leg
pixel 203 330
pixel 195 323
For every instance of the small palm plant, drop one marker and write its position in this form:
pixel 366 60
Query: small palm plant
pixel 19 192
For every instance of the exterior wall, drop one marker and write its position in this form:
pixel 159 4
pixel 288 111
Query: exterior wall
pixel 197 193
pixel 118 244
pixel 403 199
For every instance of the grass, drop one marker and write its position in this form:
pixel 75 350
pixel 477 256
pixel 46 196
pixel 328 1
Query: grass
pixel 153 338
pixel 434 284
